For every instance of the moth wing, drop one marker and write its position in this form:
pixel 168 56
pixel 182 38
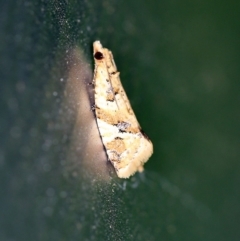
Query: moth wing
pixel 127 147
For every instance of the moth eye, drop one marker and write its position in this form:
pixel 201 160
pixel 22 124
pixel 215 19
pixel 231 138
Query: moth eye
pixel 98 56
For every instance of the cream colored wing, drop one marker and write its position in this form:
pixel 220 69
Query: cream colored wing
pixel 127 147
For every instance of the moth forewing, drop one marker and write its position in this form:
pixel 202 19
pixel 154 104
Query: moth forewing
pixel 127 147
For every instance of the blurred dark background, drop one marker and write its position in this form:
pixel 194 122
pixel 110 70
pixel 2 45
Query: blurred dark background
pixel 179 64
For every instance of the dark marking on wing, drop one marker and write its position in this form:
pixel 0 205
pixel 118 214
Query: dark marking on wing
pixel 122 126
pixel 144 134
pixel 110 98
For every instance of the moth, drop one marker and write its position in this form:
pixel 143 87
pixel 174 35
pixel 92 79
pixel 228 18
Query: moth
pixel 126 145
